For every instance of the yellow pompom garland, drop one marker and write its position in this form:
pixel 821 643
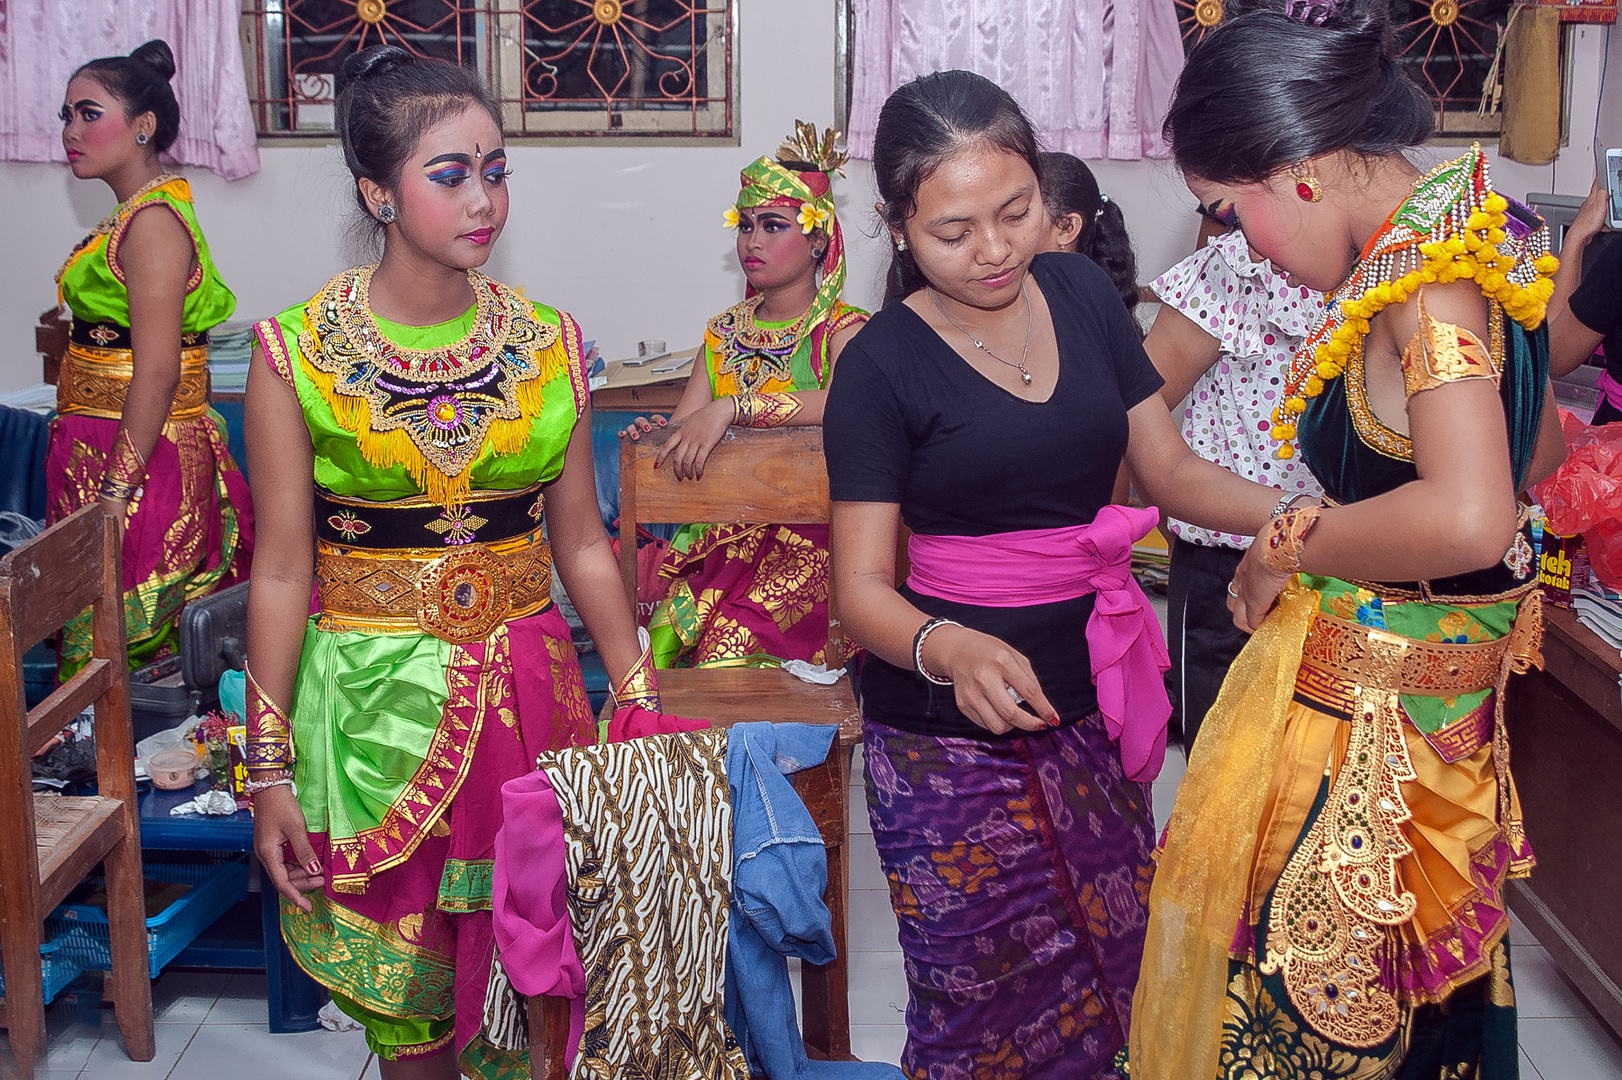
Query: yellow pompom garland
pixel 1450 228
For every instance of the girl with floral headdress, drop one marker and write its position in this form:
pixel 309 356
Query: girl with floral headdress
pixel 756 595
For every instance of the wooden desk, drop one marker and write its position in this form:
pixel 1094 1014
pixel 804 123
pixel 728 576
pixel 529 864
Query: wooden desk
pixel 1565 733
pixel 639 389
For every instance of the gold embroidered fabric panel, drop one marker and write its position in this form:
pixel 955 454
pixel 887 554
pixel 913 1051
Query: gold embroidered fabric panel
pixel 648 824
pixel 1340 894
pixel 1441 353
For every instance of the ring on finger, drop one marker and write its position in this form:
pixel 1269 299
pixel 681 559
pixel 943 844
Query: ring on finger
pixel 1231 592
pixel 1015 695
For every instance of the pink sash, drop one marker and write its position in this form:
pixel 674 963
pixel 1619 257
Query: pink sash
pixel 1610 389
pixel 1043 566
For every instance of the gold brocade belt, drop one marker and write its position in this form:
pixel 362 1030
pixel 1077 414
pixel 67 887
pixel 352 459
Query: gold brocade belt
pixel 95 381
pixel 457 595
pixel 1370 656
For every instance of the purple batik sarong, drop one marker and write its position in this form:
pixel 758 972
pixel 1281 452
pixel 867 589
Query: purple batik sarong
pixel 1019 872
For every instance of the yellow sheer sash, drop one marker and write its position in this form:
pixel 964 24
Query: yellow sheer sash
pixel 1199 889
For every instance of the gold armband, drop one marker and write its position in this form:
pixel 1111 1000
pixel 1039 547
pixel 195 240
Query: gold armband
pixel 1442 353
pixel 641 684
pixel 270 738
pixel 1284 538
pixel 126 470
pixel 750 409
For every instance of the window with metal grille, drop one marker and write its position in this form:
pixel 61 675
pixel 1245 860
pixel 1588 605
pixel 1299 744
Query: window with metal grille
pixel 1450 48
pixel 567 68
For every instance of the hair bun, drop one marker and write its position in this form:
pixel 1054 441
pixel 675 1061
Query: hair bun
pixel 371 63
pixel 156 53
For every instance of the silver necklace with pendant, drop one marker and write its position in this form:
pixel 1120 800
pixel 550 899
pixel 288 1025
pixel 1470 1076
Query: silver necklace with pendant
pixel 1024 375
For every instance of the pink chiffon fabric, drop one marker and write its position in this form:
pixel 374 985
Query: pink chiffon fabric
pixel 1045 566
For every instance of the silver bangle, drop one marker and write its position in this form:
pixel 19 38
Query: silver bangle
pixel 254 787
pixel 1285 503
pixel 918 648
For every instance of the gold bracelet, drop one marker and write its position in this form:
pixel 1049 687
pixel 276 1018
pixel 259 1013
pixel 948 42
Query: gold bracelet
pixel 1284 538
pixel 750 409
pixel 125 472
pixel 270 738
pixel 640 686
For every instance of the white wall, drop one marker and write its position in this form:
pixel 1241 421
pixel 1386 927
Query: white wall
pixel 629 239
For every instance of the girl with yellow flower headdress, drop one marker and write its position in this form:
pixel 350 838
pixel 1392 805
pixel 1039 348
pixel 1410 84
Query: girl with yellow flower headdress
pixel 755 595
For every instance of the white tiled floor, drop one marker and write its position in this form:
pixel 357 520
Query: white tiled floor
pixel 212 1027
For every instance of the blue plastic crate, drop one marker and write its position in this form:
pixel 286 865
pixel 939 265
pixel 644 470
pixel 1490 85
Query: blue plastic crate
pixel 216 888
pixel 59 965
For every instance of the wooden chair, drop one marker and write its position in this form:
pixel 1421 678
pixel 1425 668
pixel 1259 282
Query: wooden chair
pixel 47 845
pixel 773 475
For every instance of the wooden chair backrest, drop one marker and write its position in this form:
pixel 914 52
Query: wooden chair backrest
pixel 775 475
pixel 69 567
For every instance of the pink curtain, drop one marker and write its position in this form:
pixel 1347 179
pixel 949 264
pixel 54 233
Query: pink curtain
pixel 1095 76
pixel 42 42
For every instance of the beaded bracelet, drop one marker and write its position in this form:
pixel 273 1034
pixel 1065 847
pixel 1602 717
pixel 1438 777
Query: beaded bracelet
pixel 254 787
pixel 918 648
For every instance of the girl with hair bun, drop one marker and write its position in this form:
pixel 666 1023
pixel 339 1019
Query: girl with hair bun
pixel 1013 699
pixel 1082 219
pixel 133 425
pixel 1330 899
pixel 411 428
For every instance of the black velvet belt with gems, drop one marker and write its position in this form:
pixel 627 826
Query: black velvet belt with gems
pixel 488 517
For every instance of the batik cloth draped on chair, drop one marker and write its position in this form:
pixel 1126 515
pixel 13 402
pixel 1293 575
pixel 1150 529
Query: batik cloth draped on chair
pixel 42 43
pixel 1095 76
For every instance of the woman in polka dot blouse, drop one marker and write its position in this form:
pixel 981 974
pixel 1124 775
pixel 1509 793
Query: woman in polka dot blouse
pixel 1223 339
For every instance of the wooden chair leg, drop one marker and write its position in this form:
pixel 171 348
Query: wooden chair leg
pixel 131 984
pixel 548 1035
pixel 25 989
pixel 825 990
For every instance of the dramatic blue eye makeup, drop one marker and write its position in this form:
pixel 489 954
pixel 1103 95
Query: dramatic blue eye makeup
pixel 1222 212
pixel 495 167
pixel 89 111
pixel 450 176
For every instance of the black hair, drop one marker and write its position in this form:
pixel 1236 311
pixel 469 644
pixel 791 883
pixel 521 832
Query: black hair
pixel 1265 90
pixel 387 99
pixel 921 125
pixel 1069 187
pixel 140 81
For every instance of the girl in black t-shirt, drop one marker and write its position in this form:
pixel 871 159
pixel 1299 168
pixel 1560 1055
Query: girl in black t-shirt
pixel 1012 695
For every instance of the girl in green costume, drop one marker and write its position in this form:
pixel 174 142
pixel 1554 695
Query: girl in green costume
pixel 133 425
pixel 413 426
pixel 756 595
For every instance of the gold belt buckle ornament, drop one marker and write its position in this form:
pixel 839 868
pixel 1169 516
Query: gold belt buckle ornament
pixel 464 595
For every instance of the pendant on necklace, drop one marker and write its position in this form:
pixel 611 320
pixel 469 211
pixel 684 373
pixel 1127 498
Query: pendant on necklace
pixel 1025 375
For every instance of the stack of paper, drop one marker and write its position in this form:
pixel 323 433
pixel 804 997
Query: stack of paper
pixel 1600 610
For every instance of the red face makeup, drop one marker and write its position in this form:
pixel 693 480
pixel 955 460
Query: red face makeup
pixel 1299 238
pixel 96 134
pixel 772 249
pixel 452 194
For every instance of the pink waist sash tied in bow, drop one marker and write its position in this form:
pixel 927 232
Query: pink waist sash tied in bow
pixel 1044 566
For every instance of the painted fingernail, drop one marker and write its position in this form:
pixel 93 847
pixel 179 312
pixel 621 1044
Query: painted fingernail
pixel 1054 721
pixel 314 867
